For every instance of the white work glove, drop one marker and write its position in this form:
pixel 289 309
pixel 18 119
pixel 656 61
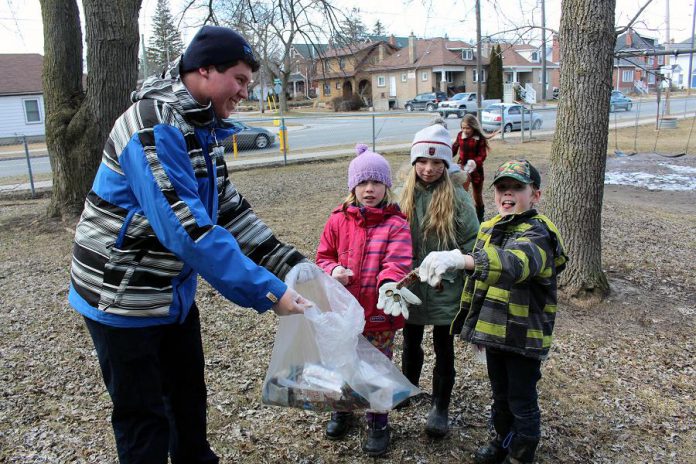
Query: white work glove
pixel 291 303
pixel 469 167
pixel 342 274
pixel 302 272
pixel 437 263
pixel 395 301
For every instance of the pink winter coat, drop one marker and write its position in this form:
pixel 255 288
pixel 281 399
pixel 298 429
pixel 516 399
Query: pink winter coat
pixel 374 243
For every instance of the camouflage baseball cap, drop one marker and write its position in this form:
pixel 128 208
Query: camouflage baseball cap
pixel 520 170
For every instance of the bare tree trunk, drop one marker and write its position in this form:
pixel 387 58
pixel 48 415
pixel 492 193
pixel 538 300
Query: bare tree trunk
pixel 78 121
pixel 578 154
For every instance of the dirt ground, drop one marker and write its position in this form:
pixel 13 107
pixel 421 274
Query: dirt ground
pixel 619 386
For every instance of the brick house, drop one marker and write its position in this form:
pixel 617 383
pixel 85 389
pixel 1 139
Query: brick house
pixel 342 71
pixel 636 73
pixel 424 65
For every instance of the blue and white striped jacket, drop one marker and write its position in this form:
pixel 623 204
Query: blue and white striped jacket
pixel 161 211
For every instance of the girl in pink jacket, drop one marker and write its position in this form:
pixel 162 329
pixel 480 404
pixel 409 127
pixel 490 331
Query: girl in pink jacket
pixel 366 245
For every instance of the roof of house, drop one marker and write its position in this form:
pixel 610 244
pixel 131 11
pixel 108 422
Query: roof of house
pixel 400 42
pixel 683 45
pixel 631 40
pixel 310 50
pixel 512 57
pixel 429 53
pixel 351 49
pixel 21 73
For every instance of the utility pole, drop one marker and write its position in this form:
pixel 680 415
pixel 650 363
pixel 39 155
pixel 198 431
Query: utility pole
pixel 478 57
pixel 144 63
pixel 543 53
pixel 667 47
pixel 691 55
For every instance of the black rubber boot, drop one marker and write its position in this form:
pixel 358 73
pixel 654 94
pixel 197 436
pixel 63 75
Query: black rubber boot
pixel 479 213
pixel 492 453
pixel 378 435
pixel 339 425
pixel 522 450
pixel 438 418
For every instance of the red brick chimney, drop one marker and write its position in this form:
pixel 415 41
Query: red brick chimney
pixel 411 48
pixel 555 49
pixel 629 38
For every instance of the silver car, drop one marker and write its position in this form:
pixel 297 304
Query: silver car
pixel 249 137
pixel 508 116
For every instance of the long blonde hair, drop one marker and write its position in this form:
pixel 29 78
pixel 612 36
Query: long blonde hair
pixel 440 219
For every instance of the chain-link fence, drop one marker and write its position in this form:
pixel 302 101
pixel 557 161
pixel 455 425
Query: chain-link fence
pixel 272 138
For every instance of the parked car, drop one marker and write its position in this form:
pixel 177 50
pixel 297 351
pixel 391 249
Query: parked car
pixel 459 104
pixel 509 117
pixel 249 137
pixel 619 100
pixel 425 101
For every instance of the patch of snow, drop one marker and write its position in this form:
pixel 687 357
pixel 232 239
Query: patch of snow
pixel 651 181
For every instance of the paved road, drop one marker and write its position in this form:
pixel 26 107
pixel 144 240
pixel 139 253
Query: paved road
pixel 329 132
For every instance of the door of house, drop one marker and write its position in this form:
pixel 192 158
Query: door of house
pixel 392 86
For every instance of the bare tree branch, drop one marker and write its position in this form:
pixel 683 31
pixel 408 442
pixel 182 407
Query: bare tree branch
pixel 634 19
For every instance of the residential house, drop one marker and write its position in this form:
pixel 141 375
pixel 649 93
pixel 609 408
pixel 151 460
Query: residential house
pixel 681 62
pixel 636 73
pixel 343 71
pixel 304 59
pixel 522 64
pixel 21 96
pixel 425 65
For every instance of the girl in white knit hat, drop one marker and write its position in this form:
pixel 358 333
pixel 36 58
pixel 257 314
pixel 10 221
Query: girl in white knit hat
pixel 441 216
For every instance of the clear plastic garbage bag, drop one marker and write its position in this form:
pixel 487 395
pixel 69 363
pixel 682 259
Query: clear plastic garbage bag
pixel 322 362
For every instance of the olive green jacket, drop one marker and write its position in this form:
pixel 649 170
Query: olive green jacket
pixel 509 299
pixel 440 307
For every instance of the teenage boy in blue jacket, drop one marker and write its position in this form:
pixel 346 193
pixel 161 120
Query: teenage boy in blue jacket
pixel 161 211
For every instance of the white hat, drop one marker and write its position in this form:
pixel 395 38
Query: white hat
pixel 432 142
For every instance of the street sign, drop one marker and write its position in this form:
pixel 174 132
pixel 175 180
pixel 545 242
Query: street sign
pixel 276 81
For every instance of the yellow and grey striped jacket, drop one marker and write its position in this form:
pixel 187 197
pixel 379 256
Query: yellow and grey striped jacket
pixel 509 299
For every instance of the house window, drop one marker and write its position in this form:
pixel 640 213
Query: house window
pixel 381 81
pixel 32 113
pixel 660 60
pixel 338 85
pixel 651 78
pixel 341 63
pixel 467 54
pixel 327 90
pixel 424 76
pixel 651 62
pixel 403 77
pixel 535 57
pixel 548 77
pixel 627 75
pixel 483 75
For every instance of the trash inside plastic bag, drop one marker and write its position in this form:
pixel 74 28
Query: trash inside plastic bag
pixel 322 362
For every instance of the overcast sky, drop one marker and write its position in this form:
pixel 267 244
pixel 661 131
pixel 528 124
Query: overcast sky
pixel 21 29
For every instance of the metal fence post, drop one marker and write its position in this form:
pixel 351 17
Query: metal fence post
pixel 522 126
pixel 31 177
pixel 373 133
pixel 502 122
pixel 531 121
pixel 284 132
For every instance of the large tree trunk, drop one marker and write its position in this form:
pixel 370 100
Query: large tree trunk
pixel 578 154
pixel 78 121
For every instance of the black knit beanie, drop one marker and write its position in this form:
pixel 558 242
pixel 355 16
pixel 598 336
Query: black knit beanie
pixel 213 45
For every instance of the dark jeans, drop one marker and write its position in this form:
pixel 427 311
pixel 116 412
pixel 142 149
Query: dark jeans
pixel 515 402
pixel 154 376
pixel 443 343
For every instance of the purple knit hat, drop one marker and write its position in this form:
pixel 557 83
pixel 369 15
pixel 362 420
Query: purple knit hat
pixel 368 165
